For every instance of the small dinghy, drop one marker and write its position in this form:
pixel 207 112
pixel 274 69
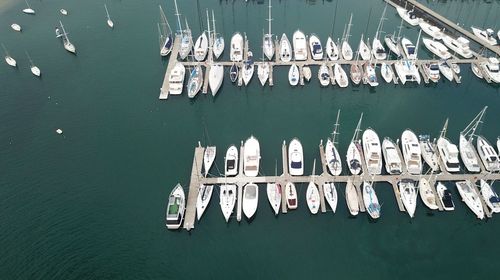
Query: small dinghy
pixel 293 75
pixel 208 158
pixel 231 161
pixel 274 196
pixel 427 195
pixel 204 196
pixel 312 196
pixel 330 193
pixel 250 200
pixel 227 198
pixel 34 69
pixel 291 196
pixel 351 197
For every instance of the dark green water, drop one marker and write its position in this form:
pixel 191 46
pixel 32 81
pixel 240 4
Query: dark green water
pixel 90 204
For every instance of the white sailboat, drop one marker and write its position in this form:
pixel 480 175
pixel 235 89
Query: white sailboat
pixel 236 54
pixel 387 73
pixel 408 16
pixel 411 152
pixel 267 41
pixel 306 71
pixel 491 69
pixel 202 44
pixel 10 61
pixel 372 152
pixel 248 68
pixel 218 40
pixel 28 10
pixel 351 197
pixel 488 155
pixel 353 156
pixel 227 200
pixel 426 194
pixel 231 161
pixel 67 44
pixel 445 197
pixel 274 196
pixel 208 158
pixel 370 200
pixel 356 73
pixel 299 46
pixel 251 157
pixel 195 81
pixel 108 18
pixel 446 70
pixel 470 197
pixel 467 153
pixel 378 49
pixel 330 193
pixel 291 196
pixel 263 72
pixel 408 193
pixel 312 194
pixel 186 36
pixel 176 79
pixel 203 199
pixel 175 208
pixel 490 196
pixel 392 160
pixel 448 151
pixel 250 199
pixel 332 51
pixel 16 27
pixel 340 76
pixel 34 69
pixel 323 75
pixel 285 49
pixel 370 75
pixel 293 75
pixel 392 41
pixel 215 78
pixel 315 47
pixel 487 35
pixel 295 158
pixel 437 48
pixel 332 155
pixel 429 153
pixel 364 50
pixel 346 48
pixel 166 38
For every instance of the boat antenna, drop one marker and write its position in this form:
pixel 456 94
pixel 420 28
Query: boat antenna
pixel 400 27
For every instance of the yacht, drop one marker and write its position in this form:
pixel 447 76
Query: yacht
pixel 323 75
pixel 263 72
pixel 491 69
pixel 408 16
pixel 445 197
pixel 476 70
pixel 490 196
pixel 291 196
pixel 409 48
pixel 455 67
pixel 488 155
pixel 204 196
pixel 370 75
pixel 312 197
pixel 66 43
pixel 393 44
pixel 330 193
pixel 274 196
pixel 201 47
pixel 356 74
pixel 407 71
pixel 175 208
pixel 285 49
pixel 251 157
pixel 299 46
pixel 378 49
pixel 250 199
pixel 354 158
pixel 215 78
pixel 427 195
pixel 248 68
pixel 468 154
pixel 332 158
pixel 16 27
pixel 411 152
pixel 432 70
pixel 340 76
pixel 351 197
pixel 437 48
pixel 372 151
pixel 227 200
pixel 448 153
pixel 391 155
pixel 387 73
pixel 236 54
pixel 315 47
pixel 195 81
pixel 208 158
pixel 431 30
pixel 470 197
pixel 487 35
pixel 370 200
pixel 306 70
pixel 408 193
pixel 295 158
pixel 234 72
pixel 428 152
pixel 293 75
pixel 446 70
pixel 219 43
pixel 231 161
pixel 364 50
pixel 459 45
pixel 268 42
pixel 332 51
pixel 346 49
pixel 176 79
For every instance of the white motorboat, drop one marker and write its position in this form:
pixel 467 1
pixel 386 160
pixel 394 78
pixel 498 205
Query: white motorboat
pixel 378 49
pixel 346 49
pixel 195 81
pixel 356 74
pixel 323 75
pixel 459 45
pixel 251 157
pixel 332 158
pixel 201 47
pixel 437 48
pixel 369 74
pixel 28 10
pixel 393 163
pixel 236 54
pixel 66 43
pixel 372 151
pixel 227 200
pixel 429 153
pixel 108 18
pixel 409 48
pixel 491 69
pixel 408 16
pixel 263 72
pixel 165 35
pixel 470 197
pixel 446 70
pixel 332 51
pixel 248 68
pixel 306 71
pixel 407 71
pixel 250 200
pixel 295 158
pixel 215 78
pixel 387 73
pixel 176 79
pixel 312 197
pixel 468 154
pixel 291 196
pixel 10 61
pixel 293 75
pixel 411 152
pixel 476 70
pixel 351 196
pixel 408 193
pixel 219 45
pixel 267 41
pixel 315 47
pixel 490 196
pixel 285 49
pixel 432 70
pixel 488 155
pixel 487 35
pixel 16 27
pixel 330 193
pixel 445 197
pixel 370 200
pixel 231 161
pixel 340 76
pixel 353 156
pixel 449 154
pixel 204 196
pixel 234 72
pixel 34 69
pixel 208 158
pixel 364 50
pixel 63 12
pixel 274 196
pixel 393 44
pixel 175 208
pixel 299 46
pixel 455 67
pixel 431 30
pixel 427 195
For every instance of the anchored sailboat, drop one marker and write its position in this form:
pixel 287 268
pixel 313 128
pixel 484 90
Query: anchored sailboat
pixel 34 69
pixel 217 40
pixel 353 156
pixel 346 48
pixel 67 44
pixel 166 38
pixel 268 43
pixel 332 156
pixel 108 21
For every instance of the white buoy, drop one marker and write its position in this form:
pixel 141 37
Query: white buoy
pixel 59 131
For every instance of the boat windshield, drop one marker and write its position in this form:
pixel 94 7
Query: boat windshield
pixel 296 164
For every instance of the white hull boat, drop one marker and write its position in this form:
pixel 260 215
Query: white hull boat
pixel 471 198
pixel 219 45
pixel 351 196
pixel 372 152
pixel 409 48
pixel 355 74
pixel 293 75
pixel 371 201
pixel 364 50
pixel 429 153
pixel 492 69
pixel 437 48
pixel 369 75
pixel 201 47
pixel 408 16
pixel 448 153
pixel 267 41
pixel 231 161
pixel 332 51
pixel 306 71
pixel 392 44
pixel 446 70
pixel 248 68
pixel 285 49
pixel 108 18
pixel 215 78
pixel 10 61
pixel 323 75
pixel 291 196
pixel 340 76
pixel 312 196
pixel 35 71
pixel 346 51
pixel 299 46
pixel 186 44
pixel 176 80
pixel 445 196
pixel 251 157
pixel 195 81
pixel 459 45
pixel 332 158
pixel 315 47
pixel 411 152
pixel 387 73
pixel 393 164
pixel 274 196
pixel 490 196
pixel 227 201
pixel 488 155
pixel 295 158
pixel 236 54
pixel 234 72
pixel 16 27
pixel 431 30
pixel 408 193
pixel 427 195
pixel 378 50
pixel 354 159
pixel 476 70
pixel 468 154
pixel 208 158
pixel 204 196
pixel 263 73
pixel 175 208
pixel 407 71
pixel 485 35
pixel 432 70
pixel 250 200
pixel 330 193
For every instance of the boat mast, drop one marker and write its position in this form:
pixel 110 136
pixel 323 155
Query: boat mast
pixel 107 13
pixel 213 25
pixel 269 20
pixel 208 27
pixel 418 42
pixel 29 58
pixel 64 32
pixel 335 129
pixel 348 29
pixel 400 27
pixel 178 18
pixel 443 131
pixel 164 20
pixel 358 130
pixel 381 23
pixel 469 130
